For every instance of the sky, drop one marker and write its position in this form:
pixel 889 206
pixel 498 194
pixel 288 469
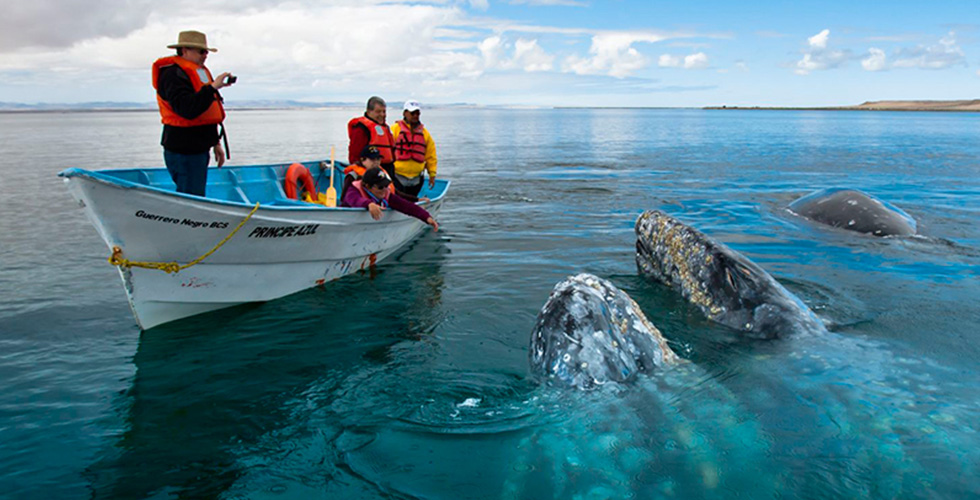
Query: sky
pixel 504 52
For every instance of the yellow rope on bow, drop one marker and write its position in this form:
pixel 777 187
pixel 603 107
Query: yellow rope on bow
pixel 117 259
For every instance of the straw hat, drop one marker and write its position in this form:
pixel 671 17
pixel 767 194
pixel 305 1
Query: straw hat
pixel 193 40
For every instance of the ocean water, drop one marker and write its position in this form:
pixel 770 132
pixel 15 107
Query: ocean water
pixel 412 381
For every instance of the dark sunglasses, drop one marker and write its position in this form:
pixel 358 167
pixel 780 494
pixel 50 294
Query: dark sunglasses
pixel 202 51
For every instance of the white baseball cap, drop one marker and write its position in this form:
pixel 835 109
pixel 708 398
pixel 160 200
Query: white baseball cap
pixel 411 106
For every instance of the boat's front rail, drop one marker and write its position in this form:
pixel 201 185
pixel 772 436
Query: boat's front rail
pixel 245 185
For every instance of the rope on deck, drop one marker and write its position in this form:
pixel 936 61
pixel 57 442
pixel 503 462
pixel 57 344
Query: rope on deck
pixel 117 259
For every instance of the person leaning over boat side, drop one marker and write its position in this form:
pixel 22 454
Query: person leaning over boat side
pixel 371 129
pixel 415 151
pixel 369 158
pixel 375 193
pixel 191 110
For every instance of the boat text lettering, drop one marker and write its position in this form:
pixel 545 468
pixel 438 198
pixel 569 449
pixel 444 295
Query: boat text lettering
pixel 197 223
pixel 186 222
pixel 283 231
pixel 171 220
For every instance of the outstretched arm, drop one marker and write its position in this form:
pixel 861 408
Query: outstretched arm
pixel 408 208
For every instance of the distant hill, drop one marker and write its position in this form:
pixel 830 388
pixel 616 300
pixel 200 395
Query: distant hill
pixel 963 105
pixel 971 105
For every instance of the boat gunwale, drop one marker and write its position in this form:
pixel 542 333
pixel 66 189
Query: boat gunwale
pixel 100 176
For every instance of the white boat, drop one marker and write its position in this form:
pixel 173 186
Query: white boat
pixel 283 245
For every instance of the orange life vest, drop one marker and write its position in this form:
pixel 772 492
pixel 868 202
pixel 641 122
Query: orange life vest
pixel 213 115
pixel 410 143
pixel 357 168
pixel 380 136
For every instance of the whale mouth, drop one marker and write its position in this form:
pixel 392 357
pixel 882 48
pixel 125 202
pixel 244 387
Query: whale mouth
pixel 642 249
pixel 648 235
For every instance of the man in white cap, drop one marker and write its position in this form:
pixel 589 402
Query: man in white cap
pixel 191 110
pixel 415 151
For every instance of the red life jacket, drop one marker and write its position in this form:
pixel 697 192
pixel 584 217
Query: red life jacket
pixel 380 136
pixel 359 186
pixel 410 143
pixel 213 115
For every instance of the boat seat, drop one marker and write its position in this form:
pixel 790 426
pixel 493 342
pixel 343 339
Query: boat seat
pixel 260 185
pixel 225 192
pixel 221 186
pixel 262 191
pixel 155 178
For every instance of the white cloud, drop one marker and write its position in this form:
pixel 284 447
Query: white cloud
pixel 492 49
pixel 694 61
pixel 876 61
pixel 819 41
pixel 531 57
pixel 806 65
pixel 283 49
pixel 669 61
pixel 941 55
pixel 613 54
pixel 304 49
pixel 527 55
pixel 819 57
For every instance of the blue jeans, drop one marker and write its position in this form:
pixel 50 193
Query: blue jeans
pixel 189 172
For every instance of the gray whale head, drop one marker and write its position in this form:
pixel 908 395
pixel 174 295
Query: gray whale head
pixel 724 284
pixel 589 333
pixel 855 211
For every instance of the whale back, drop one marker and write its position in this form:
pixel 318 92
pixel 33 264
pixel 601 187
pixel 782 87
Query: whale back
pixel 728 287
pixel 855 211
pixel 590 333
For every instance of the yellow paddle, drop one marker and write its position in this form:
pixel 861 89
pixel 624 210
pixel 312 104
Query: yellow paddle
pixel 331 195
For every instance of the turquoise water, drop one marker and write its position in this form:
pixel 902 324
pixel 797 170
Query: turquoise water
pixel 412 381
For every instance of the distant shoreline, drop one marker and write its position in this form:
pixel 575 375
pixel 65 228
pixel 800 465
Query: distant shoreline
pixel 962 106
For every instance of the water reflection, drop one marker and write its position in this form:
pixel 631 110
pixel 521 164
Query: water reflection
pixel 208 387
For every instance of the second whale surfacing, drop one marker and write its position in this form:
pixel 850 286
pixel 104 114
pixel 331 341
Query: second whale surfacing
pixel 590 333
pixel 854 210
pixel 724 284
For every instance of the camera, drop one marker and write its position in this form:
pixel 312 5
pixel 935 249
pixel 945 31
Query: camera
pixel 231 79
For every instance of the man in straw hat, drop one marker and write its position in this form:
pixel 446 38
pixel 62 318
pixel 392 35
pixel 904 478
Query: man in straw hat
pixel 191 110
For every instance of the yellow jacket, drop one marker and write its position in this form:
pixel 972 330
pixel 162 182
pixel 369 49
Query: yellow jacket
pixel 411 168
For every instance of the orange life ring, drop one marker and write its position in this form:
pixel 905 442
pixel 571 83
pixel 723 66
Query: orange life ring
pixel 298 173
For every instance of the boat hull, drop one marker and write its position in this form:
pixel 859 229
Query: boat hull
pixel 279 250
